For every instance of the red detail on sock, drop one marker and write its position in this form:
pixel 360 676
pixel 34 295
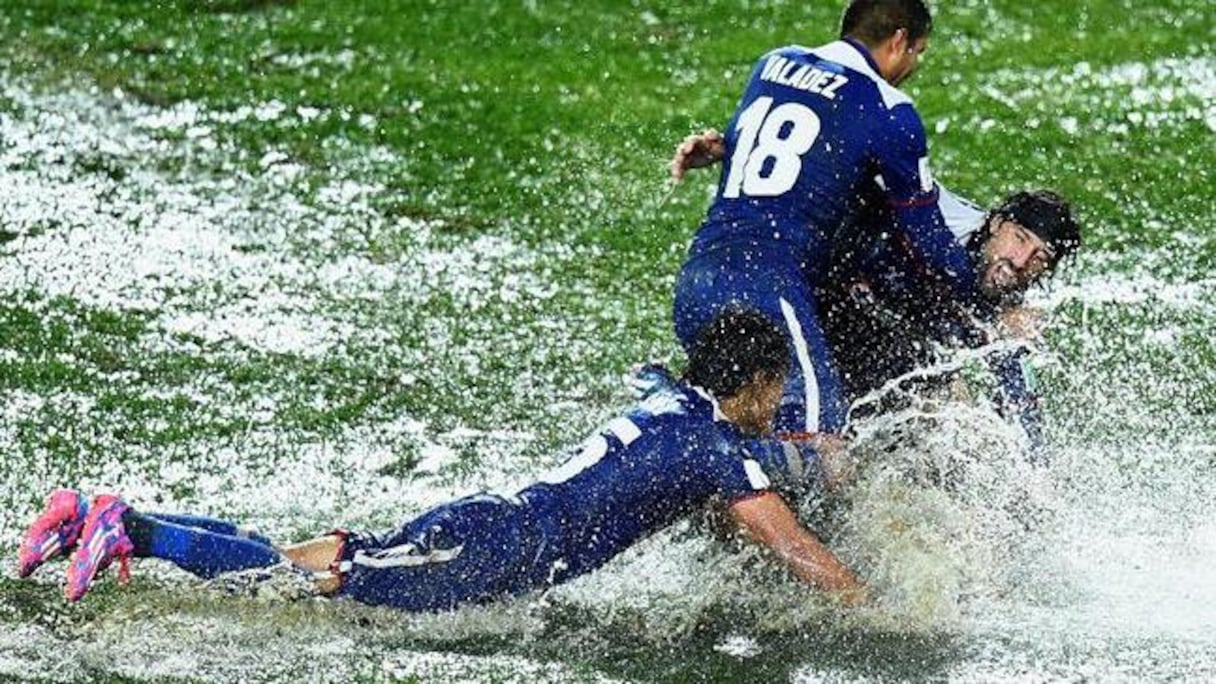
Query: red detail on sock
pixel 797 436
pixel 124 569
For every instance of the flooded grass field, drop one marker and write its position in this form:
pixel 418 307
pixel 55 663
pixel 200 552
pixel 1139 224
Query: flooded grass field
pixel 304 265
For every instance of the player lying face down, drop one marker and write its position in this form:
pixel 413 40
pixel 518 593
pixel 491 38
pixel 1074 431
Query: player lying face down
pixel 698 443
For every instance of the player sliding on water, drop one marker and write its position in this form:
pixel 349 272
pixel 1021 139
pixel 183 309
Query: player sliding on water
pixel 697 443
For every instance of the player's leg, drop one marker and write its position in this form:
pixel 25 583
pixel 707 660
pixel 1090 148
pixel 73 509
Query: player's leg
pixel 472 550
pixel 114 531
pixel 211 525
pixel 813 400
pixel 197 550
pixel 56 529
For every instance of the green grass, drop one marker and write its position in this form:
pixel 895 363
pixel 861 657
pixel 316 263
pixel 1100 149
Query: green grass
pixel 547 126
pixel 525 113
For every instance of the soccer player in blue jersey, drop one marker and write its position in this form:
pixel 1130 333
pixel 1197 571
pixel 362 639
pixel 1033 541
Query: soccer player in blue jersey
pixel 883 311
pixel 884 314
pixel 688 446
pixel 813 128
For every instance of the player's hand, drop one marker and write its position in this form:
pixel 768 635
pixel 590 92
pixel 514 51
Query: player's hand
pixel 695 151
pixel 839 465
pixel 854 597
pixel 1022 323
pixel 644 380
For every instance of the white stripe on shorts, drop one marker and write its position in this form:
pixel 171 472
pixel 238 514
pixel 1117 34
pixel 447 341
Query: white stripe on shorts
pixel 808 369
pixel 404 556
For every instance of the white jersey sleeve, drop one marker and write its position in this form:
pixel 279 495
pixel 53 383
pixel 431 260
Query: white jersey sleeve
pixel 962 217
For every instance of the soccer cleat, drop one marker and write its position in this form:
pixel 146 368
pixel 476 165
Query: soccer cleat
pixel 103 539
pixel 53 532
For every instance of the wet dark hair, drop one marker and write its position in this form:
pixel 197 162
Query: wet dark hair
pixel 732 349
pixel 873 21
pixel 1047 215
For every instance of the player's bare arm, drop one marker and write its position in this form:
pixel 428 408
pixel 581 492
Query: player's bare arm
pixel 768 520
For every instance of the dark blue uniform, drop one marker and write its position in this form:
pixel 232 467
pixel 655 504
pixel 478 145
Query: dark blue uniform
pixel 670 455
pixel 813 128
pixel 884 312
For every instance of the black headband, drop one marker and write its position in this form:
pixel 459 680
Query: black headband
pixel 1047 215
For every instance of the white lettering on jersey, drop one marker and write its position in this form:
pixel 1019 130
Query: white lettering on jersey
pixel 830 90
pixel 803 77
pixel 847 55
pixel 772 67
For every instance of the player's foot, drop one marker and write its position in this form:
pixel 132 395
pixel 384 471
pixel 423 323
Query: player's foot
pixel 103 539
pixel 53 532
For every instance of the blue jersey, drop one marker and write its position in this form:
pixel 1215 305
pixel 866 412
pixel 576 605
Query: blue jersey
pixel 884 310
pixel 671 455
pixel 813 128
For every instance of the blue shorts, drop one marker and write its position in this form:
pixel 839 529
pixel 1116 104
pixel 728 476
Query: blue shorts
pixel 775 285
pixel 473 550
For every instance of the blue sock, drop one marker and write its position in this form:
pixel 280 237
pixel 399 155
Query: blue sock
pixel 210 524
pixel 196 550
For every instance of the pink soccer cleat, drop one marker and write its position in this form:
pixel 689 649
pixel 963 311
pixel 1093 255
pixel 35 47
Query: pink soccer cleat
pixel 103 539
pixel 53 532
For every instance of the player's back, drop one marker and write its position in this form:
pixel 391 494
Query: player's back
pixel 668 456
pixel 801 143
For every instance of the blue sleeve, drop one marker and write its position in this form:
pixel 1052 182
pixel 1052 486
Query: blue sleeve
pixel 790 465
pixel 737 473
pixel 903 162
pixel 1016 396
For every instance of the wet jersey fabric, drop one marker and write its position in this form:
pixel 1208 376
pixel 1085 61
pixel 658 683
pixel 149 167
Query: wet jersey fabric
pixel 771 282
pixel 814 128
pixel 672 454
pixel 884 313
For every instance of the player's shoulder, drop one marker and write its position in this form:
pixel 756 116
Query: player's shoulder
pixel 669 413
pixel 683 413
pixel 849 56
pixel 785 51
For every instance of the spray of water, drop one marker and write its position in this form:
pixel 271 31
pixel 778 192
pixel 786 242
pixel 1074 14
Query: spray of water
pixel 1095 567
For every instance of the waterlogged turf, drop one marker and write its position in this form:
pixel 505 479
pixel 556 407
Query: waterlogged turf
pixel 316 264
